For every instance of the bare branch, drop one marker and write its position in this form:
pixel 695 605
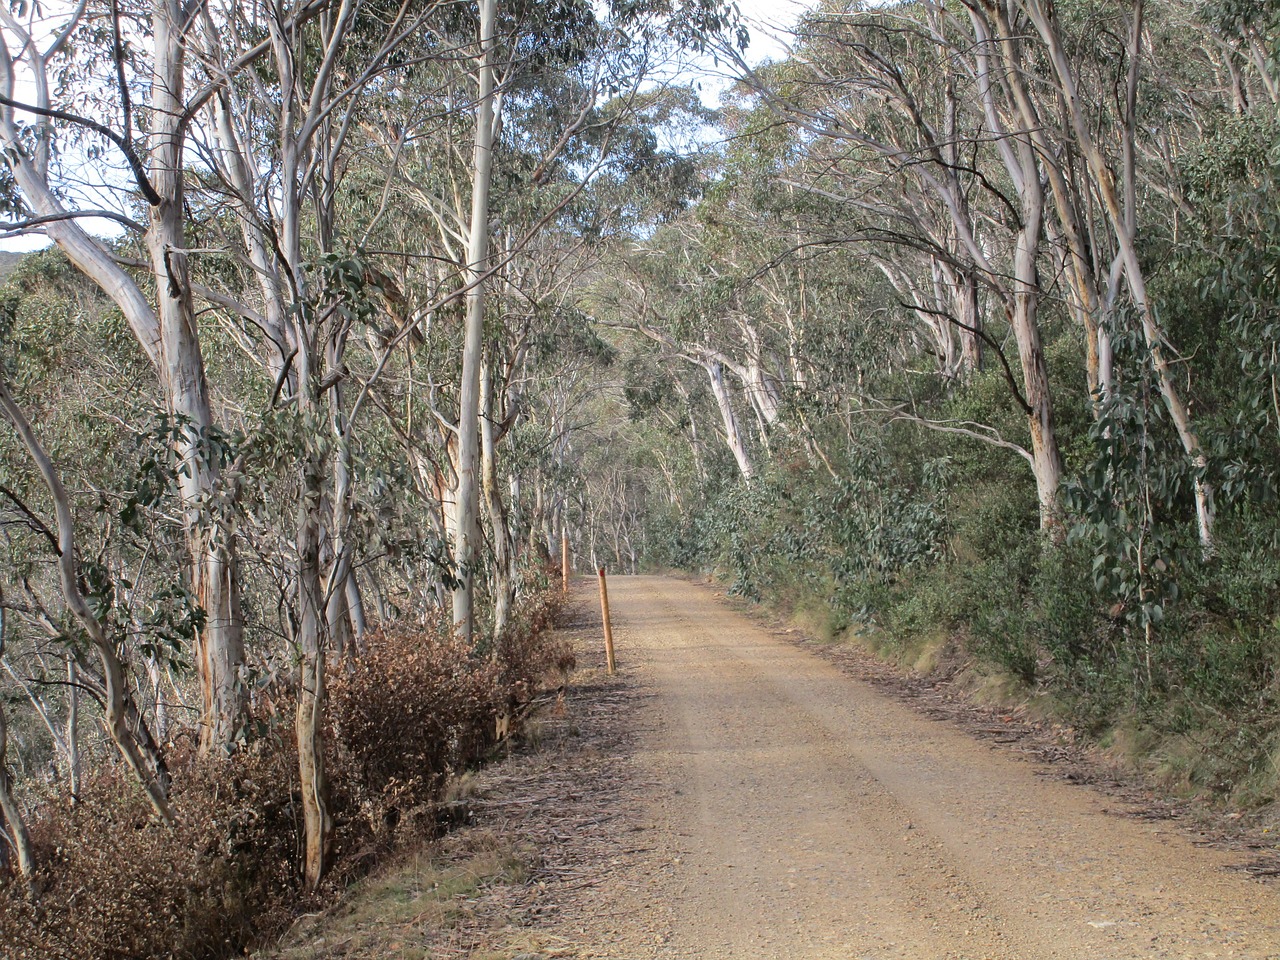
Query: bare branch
pixel 136 165
pixel 8 230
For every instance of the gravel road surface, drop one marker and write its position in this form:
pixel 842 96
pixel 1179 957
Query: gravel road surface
pixel 791 812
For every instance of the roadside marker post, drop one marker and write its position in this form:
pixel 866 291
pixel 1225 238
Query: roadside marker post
pixel 564 559
pixel 608 628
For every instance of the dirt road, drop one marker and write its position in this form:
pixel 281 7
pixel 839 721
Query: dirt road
pixel 795 813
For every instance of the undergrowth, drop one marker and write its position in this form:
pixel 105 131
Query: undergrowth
pixel 415 709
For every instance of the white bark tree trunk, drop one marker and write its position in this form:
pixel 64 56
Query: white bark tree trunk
pixel 1018 152
pixel 309 710
pixel 729 420
pixel 72 734
pixel 1046 459
pixel 467 503
pixel 17 836
pixel 1123 225
pixel 504 566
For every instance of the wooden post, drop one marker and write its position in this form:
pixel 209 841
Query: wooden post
pixel 608 628
pixel 564 559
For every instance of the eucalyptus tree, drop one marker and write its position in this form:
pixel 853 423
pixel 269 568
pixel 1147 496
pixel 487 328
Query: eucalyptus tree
pixel 46 126
pixel 265 132
pixel 83 383
pixel 907 150
pixel 139 754
pixel 278 156
pixel 559 105
pixel 477 259
pixel 1118 194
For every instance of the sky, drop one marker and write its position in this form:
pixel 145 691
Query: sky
pixel 768 22
pixel 775 14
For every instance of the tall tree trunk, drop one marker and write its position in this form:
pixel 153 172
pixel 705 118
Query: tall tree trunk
pixel 963 284
pixel 1080 260
pixel 1124 229
pixel 1018 152
pixel 504 587
pixel 215 579
pixel 309 714
pixel 1046 459
pixel 467 503
pixel 10 813
pixel 72 734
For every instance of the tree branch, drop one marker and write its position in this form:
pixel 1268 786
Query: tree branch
pixel 985 338
pixel 8 230
pixel 34 522
pixel 131 155
pixel 964 428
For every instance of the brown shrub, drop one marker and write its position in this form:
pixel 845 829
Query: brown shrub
pixel 417 706
pixel 113 883
pixel 529 655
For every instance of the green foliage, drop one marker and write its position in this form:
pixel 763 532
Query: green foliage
pixel 841 535
pixel 1130 502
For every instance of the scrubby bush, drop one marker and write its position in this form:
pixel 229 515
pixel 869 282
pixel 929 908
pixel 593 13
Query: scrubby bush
pixel 416 707
pixel 112 883
pixel 1117 615
pixel 526 654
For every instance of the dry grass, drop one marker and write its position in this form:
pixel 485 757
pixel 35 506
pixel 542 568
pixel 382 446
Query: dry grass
pixel 405 909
